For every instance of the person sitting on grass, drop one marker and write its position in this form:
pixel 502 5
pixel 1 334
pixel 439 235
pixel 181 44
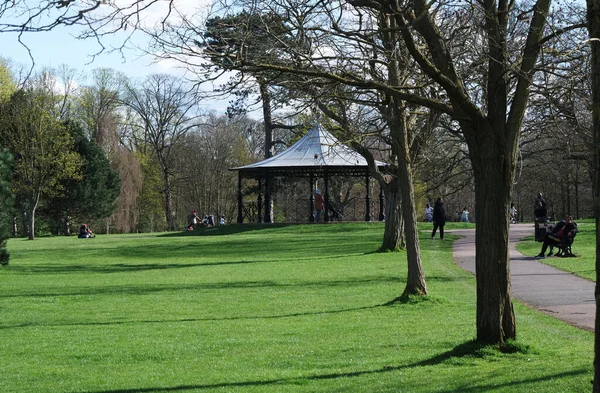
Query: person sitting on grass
pixel 562 233
pixel 193 221
pixel 85 232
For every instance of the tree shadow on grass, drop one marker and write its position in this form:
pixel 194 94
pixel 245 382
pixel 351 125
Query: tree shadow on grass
pixel 186 320
pixel 227 248
pixel 145 289
pixel 79 268
pixel 467 349
pixel 233 229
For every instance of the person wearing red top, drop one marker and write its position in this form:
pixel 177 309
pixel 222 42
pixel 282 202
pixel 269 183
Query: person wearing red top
pixel 564 231
pixel 318 205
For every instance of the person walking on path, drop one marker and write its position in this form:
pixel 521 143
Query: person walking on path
pixel 512 214
pixel 439 218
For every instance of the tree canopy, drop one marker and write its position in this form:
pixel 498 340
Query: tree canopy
pixel 91 197
pixel 41 144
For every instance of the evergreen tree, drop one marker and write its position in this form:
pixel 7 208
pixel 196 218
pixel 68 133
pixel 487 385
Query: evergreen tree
pixel 92 197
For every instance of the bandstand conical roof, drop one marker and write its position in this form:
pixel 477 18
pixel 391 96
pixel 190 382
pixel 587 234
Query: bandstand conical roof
pixel 317 151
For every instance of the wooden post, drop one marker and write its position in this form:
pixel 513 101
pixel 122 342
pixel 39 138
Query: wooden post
pixel 311 199
pixel 240 215
pixel 381 205
pixel 368 199
pixel 268 213
pixel 259 201
pixel 326 197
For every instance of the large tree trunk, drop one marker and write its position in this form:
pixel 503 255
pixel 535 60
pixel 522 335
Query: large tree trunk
pixel 415 282
pixel 24 213
pixel 493 151
pixel 396 119
pixel 168 203
pixel 31 222
pixel 493 173
pixel 15 228
pixel 268 120
pixel 31 215
pixel 392 236
pixel 593 16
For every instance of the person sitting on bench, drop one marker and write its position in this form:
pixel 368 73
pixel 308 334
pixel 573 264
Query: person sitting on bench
pixel 561 235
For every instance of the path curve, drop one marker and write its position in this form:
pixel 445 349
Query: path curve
pixel 545 288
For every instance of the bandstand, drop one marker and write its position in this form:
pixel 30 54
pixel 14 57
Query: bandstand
pixel 318 154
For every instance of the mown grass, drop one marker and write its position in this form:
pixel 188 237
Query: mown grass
pixel 584 247
pixel 269 308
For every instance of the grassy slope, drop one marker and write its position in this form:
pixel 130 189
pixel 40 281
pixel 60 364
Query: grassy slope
pixel 259 309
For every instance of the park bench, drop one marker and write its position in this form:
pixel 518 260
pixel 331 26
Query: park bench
pixel 542 227
pixel 564 245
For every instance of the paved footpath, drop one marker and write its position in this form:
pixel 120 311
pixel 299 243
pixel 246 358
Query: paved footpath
pixel 552 291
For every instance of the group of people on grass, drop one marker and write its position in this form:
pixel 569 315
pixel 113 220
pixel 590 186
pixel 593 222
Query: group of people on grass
pixel 194 221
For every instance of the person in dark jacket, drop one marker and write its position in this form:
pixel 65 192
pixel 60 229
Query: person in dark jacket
pixel 439 218
pixel 563 232
pixel 85 232
pixel 540 210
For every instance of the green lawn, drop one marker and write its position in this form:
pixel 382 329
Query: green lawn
pixel 260 309
pixel 584 247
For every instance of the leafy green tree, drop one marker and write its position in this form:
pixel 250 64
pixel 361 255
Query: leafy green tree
pixel 6 203
pixel 7 85
pixel 97 108
pixel 92 197
pixel 151 216
pixel 41 145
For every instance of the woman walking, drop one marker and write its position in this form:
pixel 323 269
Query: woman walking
pixel 439 218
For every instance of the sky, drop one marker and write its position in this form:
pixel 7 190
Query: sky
pixel 60 46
